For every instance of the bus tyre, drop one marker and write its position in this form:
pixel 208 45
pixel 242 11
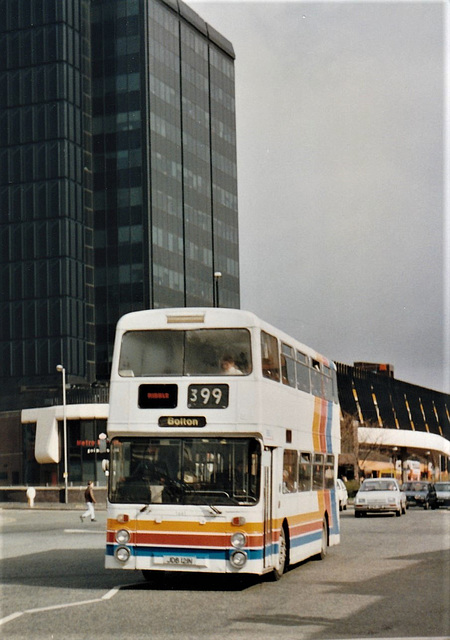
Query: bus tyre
pixel 282 560
pixel 324 541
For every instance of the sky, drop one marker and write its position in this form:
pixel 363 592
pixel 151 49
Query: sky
pixel 341 112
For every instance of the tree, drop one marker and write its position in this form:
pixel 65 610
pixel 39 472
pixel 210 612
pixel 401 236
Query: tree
pixel 353 452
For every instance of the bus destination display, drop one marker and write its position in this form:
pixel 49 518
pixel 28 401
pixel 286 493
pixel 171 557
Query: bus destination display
pixel 158 396
pixel 208 396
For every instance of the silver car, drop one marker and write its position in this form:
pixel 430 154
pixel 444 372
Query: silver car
pixel 379 495
pixel 442 494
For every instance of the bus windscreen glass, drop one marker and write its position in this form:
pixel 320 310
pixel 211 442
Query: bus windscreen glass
pixel 185 470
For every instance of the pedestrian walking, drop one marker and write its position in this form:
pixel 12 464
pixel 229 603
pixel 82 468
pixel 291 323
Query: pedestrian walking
pixel 90 501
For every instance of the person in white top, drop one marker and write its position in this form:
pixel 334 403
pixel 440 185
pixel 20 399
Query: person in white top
pixel 229 367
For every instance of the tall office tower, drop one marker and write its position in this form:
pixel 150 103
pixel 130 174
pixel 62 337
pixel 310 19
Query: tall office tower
pixel 46 221
pixel 118 186
pixel 164 162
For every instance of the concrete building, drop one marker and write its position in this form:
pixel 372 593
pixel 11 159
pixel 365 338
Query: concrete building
pixel 390 426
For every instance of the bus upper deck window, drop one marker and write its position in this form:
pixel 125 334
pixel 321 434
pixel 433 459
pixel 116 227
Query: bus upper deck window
pixel 151 353
pixel 270 357
pixel 172 352
pixel 218 352
pixel 287 365
pixel 316 378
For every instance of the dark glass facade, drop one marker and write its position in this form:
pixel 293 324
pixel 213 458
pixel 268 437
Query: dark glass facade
pixel 165 188
pixel 46 258
pixel 118 185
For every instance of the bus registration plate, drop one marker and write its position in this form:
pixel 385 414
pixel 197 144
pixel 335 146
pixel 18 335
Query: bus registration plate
pixel 180 560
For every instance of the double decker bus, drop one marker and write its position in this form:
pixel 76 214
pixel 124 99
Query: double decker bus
pixel 224 434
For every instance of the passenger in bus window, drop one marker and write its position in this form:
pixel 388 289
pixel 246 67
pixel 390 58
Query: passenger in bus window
pixel 229 367
pixel 304 477
pixel 288 482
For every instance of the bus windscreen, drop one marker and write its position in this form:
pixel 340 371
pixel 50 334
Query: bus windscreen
pixel 185 470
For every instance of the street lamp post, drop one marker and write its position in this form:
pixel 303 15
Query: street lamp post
pixel 217 276
pixel 394 460
pixel 62 370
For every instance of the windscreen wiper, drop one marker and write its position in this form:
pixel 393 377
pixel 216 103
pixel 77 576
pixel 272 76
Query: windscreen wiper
pixel 214 509
pixel 146 507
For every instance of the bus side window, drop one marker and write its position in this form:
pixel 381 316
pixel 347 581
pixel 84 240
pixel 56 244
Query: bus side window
pixel 327 383
pixel 329 472
pixel 335 387
pixel 316 378
pixel 290 473
pixel 304 472
pixel 287 365
pixel 269 357
pixel 318 472
pixel 302 366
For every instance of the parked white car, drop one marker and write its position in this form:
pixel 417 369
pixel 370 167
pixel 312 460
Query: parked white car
pixel 379 495
pixel 442 494
pixel 341 494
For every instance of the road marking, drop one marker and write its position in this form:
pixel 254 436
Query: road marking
pixel 13 616
pixel 107 596
pixel 111 593
pixel 63 606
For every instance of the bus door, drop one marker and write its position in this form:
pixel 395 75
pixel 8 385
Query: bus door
pixel 268 507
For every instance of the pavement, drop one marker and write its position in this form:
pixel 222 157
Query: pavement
pixel 55 506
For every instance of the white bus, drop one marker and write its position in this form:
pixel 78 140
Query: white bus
pixel 224 435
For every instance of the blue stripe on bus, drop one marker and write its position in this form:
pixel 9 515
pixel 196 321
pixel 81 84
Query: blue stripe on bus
pixel 298 541
pixel 335 515
pixel 212 554
pixel 218 554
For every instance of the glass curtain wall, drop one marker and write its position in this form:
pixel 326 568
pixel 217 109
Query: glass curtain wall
pixel 166 225
pixel 45 199
pixel 164 163
pixel 224 175
pixel 196 167
pixel 119 170
pixel 193 162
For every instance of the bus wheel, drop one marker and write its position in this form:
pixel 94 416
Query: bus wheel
pixel 324 541
pixel 282 560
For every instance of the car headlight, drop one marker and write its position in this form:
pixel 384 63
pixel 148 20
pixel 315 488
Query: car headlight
pixel 238 559
pixel 238 540
pixel 122 536
pixel 122 554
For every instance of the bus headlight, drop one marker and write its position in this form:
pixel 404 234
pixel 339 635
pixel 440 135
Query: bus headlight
pixel 238 559
pixel 122 554
pixel 238 540
pixel 122 536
